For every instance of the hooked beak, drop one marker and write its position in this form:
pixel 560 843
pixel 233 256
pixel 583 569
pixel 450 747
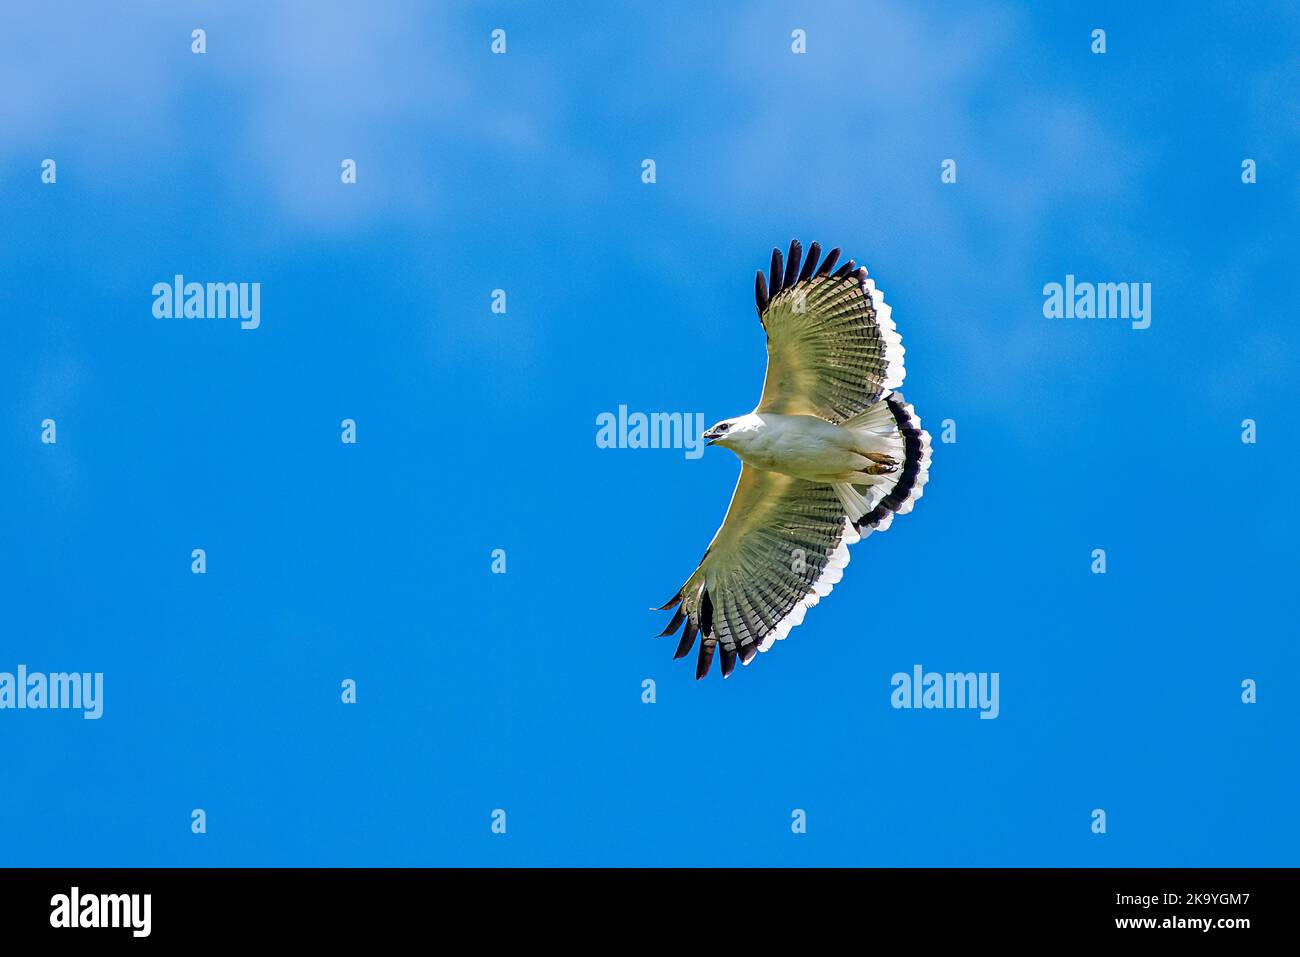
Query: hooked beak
pixel 712 435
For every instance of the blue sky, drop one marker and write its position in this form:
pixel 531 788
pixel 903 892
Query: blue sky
pixel 476 430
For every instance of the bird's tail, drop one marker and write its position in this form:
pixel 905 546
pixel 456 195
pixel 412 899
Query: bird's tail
pixel 894 429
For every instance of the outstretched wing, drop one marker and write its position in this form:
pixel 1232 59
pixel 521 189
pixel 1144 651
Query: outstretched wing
pixel 832 350
pixel 782 546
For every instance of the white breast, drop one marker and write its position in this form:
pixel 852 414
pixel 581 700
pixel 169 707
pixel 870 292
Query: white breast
pixel 800 445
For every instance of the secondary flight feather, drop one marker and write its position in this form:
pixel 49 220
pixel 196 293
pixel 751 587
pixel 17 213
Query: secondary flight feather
pixel 831 454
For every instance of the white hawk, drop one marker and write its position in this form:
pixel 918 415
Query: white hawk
pixel 830 455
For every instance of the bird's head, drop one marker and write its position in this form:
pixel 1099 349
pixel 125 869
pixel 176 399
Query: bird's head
pixel 732 433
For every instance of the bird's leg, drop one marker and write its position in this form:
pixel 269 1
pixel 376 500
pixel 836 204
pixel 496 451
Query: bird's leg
pixel 881 469
pixel 880 459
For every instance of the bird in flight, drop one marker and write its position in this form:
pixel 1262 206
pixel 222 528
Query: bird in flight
pixel 830 455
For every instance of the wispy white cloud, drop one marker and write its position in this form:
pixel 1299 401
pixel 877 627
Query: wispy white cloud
pixel 285 92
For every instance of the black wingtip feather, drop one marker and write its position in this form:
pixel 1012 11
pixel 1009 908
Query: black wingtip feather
pixel 810 264
pixel 792 264
pixel 844 270
pixel 676 623
pixel 760 291
pixel 706 614
pixel 728 662
pixel 832 258
pixel 705 660
pixel 777 271
pixel 688 639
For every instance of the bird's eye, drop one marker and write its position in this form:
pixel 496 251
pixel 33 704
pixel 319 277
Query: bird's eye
pixel 723 428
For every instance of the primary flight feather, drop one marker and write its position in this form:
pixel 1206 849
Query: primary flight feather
pixel 830 455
